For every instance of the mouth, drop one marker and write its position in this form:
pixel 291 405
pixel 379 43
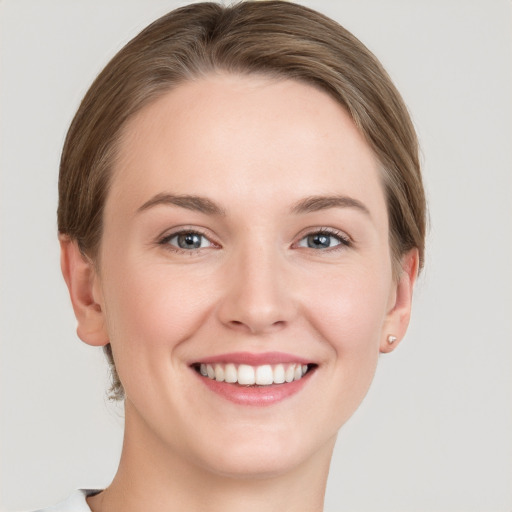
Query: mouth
pixel 254 379
pixel 248 375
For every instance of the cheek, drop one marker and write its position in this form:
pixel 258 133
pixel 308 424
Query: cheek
pixel 149 313
pixel 350 318
pixel 351 312
pixel 156 314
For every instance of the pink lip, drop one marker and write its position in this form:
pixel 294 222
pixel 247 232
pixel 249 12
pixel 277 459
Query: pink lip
pixel 255 395
pixel 253 359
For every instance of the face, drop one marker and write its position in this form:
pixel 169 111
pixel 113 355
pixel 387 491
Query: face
pixel 245 279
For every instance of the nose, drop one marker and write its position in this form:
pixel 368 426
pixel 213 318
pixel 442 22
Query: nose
pixel 257 297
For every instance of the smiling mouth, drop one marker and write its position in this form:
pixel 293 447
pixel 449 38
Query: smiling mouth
pixel 247 375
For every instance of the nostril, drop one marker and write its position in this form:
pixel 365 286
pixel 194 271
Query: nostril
pixel 237 324
pixel 255 327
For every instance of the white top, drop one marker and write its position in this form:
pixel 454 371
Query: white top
pixel 75 503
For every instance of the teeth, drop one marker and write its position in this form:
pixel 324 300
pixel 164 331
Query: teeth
pixel 290 373
pixel 230 373
pixel 278 374
pixel 219 373
pixel 264 375
pixel 246 375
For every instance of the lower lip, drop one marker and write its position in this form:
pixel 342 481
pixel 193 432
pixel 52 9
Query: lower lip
pixel 255 395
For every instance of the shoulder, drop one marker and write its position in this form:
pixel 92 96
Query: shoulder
pixel 75 503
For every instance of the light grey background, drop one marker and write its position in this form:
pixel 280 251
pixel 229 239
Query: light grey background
pixel 434 433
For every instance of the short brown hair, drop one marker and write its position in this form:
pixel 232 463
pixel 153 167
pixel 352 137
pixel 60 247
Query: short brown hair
pixel 274 38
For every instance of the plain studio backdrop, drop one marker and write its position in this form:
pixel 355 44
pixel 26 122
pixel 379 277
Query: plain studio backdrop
pixel 434 433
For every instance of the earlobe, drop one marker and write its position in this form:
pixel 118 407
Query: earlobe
pixel 399 314
pixel 83 285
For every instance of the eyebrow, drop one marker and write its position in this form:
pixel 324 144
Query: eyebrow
pixel 190 202
pixel 318 203
pixel 204 205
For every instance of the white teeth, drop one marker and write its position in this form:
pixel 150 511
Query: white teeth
pixel 278 374
pixel 264 375
pixel 230 373
pixel 246 375
pixel 219 373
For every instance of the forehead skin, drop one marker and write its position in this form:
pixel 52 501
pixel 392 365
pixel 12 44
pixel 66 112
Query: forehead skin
pixel 261 127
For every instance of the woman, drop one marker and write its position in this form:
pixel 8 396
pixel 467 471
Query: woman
pixel 242 220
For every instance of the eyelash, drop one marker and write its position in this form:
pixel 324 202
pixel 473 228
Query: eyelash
pixel 165 241
pixel 342 238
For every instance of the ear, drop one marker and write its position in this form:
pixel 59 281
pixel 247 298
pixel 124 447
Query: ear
pixel 85 292
pixel 399 313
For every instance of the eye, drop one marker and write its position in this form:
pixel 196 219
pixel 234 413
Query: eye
pixel 324 239
pixel 186 240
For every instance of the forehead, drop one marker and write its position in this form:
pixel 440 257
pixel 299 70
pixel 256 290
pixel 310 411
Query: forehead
pixel 227 133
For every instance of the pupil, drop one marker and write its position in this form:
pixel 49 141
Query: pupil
pixel 189 241
pixel 318 240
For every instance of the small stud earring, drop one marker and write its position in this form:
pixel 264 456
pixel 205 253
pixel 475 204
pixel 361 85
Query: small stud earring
pixel 391 339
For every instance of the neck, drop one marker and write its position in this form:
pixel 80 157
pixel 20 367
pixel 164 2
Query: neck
pixel 152 477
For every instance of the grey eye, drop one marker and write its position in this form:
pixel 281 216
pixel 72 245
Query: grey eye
pixel 322 240
pixel 189 241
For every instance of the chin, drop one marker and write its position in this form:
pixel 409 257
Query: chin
pixel 254 467
pixel 263 456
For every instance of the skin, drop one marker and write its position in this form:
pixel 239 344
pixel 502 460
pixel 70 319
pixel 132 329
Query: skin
pixel 256 147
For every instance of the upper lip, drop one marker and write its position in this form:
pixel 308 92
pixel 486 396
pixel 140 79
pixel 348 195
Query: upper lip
pixel 254 359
